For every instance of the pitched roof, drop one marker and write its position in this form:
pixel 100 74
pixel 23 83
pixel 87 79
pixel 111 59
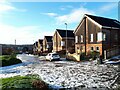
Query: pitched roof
pixel 63 33
pixel 105 21
pixel 40 41
pixel 48 38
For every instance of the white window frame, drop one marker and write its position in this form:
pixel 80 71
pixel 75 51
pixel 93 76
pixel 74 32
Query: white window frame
pixel 91 37
pixel 76 39
pixel 99 36
pixel 103 36
pixel 62 43
pixel 81 37
pixel 48 46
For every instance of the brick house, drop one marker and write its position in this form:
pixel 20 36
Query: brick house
pixel 60 38
pixel 47 44
pixel 40 46
pixel 100 34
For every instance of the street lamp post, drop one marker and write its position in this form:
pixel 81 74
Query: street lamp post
pixel 66 38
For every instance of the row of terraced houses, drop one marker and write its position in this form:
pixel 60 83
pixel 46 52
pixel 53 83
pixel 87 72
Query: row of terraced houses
pixel 94 33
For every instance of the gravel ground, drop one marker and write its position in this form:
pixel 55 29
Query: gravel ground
pixel 68 74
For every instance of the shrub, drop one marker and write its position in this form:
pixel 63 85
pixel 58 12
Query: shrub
pixel 10 60
pixel 83 56
pixel 61 52
pixel 71 58
pixel 21 82
pixel 40 85
pixel 71 50
pixel 93 55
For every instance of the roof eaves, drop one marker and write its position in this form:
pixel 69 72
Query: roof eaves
pixel 68 38
pixel 110 27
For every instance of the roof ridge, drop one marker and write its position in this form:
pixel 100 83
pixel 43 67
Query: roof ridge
pixel 63 30
pixel 101 17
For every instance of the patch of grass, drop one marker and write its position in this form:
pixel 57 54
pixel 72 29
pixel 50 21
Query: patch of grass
pixel 7 60
pixel 31 82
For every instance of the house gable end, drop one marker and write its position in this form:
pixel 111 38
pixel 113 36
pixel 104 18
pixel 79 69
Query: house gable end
pixel 94 22
pixel 80 24
pixel 59 35
pixel 76 30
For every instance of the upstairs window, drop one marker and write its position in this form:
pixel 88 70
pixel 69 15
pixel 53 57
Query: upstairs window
pixel 62 43
pixel 76 39
pixel 116 37
pixel 48 46
pixel 81 37
pixel 101 36
pixel 104 36
pixel 91 37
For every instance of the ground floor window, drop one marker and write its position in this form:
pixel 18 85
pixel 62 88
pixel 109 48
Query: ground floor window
pixel 97 48
pixel 92 48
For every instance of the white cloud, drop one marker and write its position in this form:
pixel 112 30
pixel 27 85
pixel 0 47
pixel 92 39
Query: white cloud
pixel 74 16
pixel 7 6
pixel 66 7
pixel 108 7
pixel 23 35
pixel 50 14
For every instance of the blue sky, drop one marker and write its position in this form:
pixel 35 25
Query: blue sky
pixel 29 21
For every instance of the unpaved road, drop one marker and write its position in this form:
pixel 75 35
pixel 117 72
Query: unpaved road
pixel 67 74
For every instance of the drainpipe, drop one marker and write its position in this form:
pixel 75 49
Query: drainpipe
pixel 66 39
pixel 110 40
pixel 56 43
pixel 85 38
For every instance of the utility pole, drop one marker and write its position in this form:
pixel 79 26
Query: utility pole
pixel 66 38
pixel 15 47
pixel 15 41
